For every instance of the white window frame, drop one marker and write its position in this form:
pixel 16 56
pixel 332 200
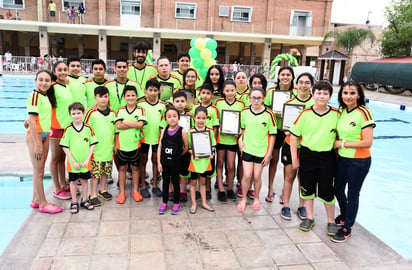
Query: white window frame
pixel 75 3
pixel 131 4
pixel 13 6
pixel 237 9
pixel 188 6
pixel 294 27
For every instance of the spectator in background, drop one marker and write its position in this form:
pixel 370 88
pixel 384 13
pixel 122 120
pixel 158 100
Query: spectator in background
pixel 81 11
pixel 68 14
pixel 52 9
pixel 73 15
pixel 8 57
pixel 33 61
pixel 9 15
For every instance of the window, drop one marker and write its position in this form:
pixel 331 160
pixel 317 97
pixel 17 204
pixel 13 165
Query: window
pixel 72 3
pixel 12 4
pixel 185 10
pixel 300 23
pixel 131 7
pixel 241 14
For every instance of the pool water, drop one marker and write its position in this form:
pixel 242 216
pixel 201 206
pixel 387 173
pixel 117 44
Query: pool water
pixel 384 203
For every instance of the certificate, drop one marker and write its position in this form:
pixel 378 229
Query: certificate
pixel 201 144
pixel 185 122
pixel 279 98
pixel 230 122
pixel 191 98
pixel 290 113
pixel 166 91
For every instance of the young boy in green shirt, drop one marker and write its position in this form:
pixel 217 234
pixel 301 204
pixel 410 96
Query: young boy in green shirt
pixel 102 119
pixel 155 111
pixel 98 79
pixel 78 143
pixel 316 127
pixel 76 81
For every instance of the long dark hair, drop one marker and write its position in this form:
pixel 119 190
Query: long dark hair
pixel 54 78
pixel 262 79
pixel 185 74
pixel 221 77
pixel 291 82
pixel 360 101
pixel 50 92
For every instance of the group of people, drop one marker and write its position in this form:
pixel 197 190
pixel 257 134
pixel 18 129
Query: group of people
pixel 89 123
pixel 71 13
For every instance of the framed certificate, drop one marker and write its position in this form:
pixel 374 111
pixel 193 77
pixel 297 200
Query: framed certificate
pixel 290 113
pixel 230 122
pixel 185 121
pixel 201 144
pixel 166 91
pixel 279 98
pixel 191 98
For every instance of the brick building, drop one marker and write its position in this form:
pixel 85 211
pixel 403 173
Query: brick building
pixel 252 31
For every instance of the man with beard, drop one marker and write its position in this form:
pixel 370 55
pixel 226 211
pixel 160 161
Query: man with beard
pixel 139 71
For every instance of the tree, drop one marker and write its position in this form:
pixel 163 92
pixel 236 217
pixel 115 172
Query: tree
pixel 397 37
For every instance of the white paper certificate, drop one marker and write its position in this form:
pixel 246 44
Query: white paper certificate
pixel 290 113
pixel 185 122
pixel 279 98
pixel 230 122
pixel 201 144
pixel 191 97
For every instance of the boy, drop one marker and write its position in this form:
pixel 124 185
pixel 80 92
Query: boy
pixel 76 81
pixel 102 120
pixel 169 83
pixel 155 117
pixel 78 142
pixel 316 127
pixel 129 122
pixel 212 122
pixel 183 60
pixel 98 79
pixel 117 85
pixel 139 71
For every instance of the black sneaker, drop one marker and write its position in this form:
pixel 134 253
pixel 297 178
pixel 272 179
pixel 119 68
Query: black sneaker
pixel 221 196
pixel 105 195
pixel 307 224
pixel 216 185
pixel 301 213
pixel 231 195
pixel 157 192
pixel 332 229
pixel 183 197
pixel 341 236
pixel 285 213
pixel 340 220
pixel 170 197
pixel 208 195
pixel 145 193
pixel 198 196
pixel 95 201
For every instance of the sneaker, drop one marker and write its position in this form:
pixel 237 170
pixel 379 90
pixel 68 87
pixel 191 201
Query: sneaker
pixel 176 209
pixel 301 212
pixel 105 195
pixel 251 194
pixel 62 195
pixel 216 185
pixel 239 193
pixel 95 201
pixel 198 196
pixel 341 236
pixel 157 192
pixel 307 225
pixel 170 197
pixel 110 180
pixel 208 195
pixel 137 196
pixel 183 197
pixel 162 208
pixel 221 196
pixel 231 195
pixel 332 229
pixel 285 213
pixel 145 193
pixel 340 220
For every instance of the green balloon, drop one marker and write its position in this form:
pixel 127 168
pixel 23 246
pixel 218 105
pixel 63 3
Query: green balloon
pixel 211 44
pixel 194 53
pixel 198 62
pixel 193 42
pixel 214 54
pixel 203 73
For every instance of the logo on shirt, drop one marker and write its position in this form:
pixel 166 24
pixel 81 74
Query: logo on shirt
pixel 136 116
pixel 353 124
pixel 209 118
pixel 160 111
pixel 86 140
pixel 264 124
pixel 333 130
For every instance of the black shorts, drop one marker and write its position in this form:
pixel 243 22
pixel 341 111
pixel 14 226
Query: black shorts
pixel 317 172
pixel 286 156
pixel 184 165
pixel 81 176
pixel 52 13
pixel 280 138
pixel 195 175
pixel 144 148
pixel 251 158
pixel 231 148
pixel 128 157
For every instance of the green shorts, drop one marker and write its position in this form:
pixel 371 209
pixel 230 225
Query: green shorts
pixel 100 168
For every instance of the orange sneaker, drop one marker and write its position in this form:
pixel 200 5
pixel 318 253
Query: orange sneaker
pixel 137 196
pixel 121 198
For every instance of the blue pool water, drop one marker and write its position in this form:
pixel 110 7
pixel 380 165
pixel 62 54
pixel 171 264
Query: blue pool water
pixel 384 203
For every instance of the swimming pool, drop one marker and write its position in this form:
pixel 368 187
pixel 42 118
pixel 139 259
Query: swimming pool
pixel 384 205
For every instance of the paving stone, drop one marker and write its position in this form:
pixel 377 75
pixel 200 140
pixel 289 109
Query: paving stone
pixel 87 216
pixel 181 241
pixel 71 263
pixel 175 226
pixel 115 214
pixel 81 229
pixel 213 240
pixel 76 246
pixel 298 267
pixel 49 248
pixel 254 257
pixel 144 213
pixel 145 226
pixel 178 260
pixel 114 228
pixel 316 252
pixel 271 239
pixel 294 223
pixel 41 263
pixel 206 225
pixel 233 223
pixel 64 216
pixel 288 255
pixel 146 243
pixel 219 259
pixel 108 261
pixel 262 222
pixel 332 265
pixel 112 245
pixel 243 239
pixel 149 260
pixel 57 230
pixel 299 236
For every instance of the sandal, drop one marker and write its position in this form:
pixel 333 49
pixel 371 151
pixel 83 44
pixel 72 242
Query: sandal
pixel 281 200
pixel 269 198
pixel 256 206
pixel 86 204
pixel 240 207
pixel 74 207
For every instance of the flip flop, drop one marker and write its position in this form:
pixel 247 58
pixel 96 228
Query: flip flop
pixel 193 210
pixel 240 207
pixel 210 209
pixel 269 198
pixel 256 206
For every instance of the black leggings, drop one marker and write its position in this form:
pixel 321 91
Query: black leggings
pixel 171 172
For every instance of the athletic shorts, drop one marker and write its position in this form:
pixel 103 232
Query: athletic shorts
pixel 56 133
pixel 132 157
pixel 251 158
pixel 144 148
pixel 195 175
pixel 286 156
pixel 52 13
pixel 100 168
pixel 184 165
pixel 280 138
pixel 231 148
pixel 317 172
pixel 81 176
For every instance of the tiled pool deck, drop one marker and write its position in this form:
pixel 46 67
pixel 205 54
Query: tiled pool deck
pixel 134 236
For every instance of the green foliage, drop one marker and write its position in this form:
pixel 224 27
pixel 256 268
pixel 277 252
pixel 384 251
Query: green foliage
pixel 350 38
pixel 397 37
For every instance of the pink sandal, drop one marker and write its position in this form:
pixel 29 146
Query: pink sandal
pixel 240 207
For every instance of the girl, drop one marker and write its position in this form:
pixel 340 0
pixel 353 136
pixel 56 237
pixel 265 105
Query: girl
pixel 172 144
pixel 304 82
pixel 242 87
pixel 189 80
pixel 39 107
pixel 258 80
pixel 201 168
pixel 284 82
pixel 216 78
pixel 355 132
pixel 227 144
pixel 256 142
pixel 60 119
